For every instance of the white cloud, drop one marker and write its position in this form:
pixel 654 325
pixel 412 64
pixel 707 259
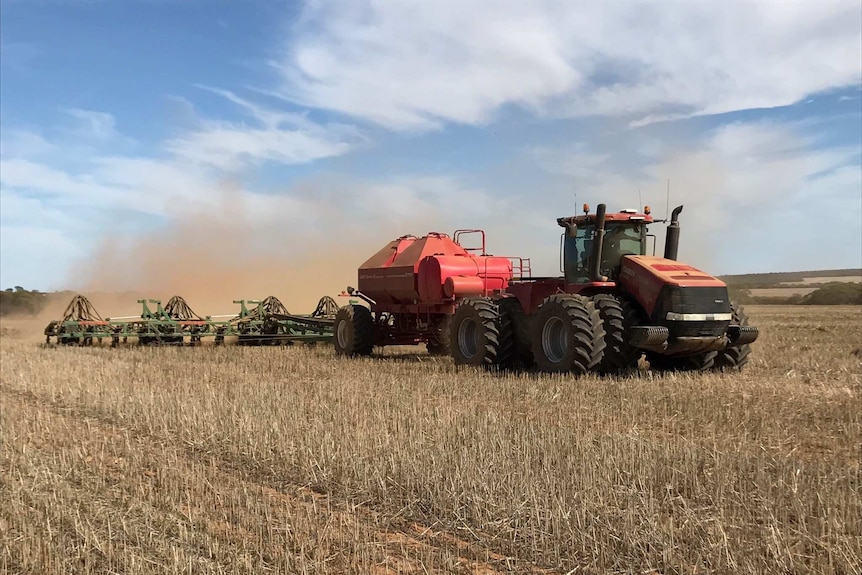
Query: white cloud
pixel 228 147
pixel 22 210
pixel 36 240
pixel 266 116
pixel 82 190
pixel 189 167
pixel 16 143
pixel 417 65
pixel 98 125
pixel 278 136
pixel 31 256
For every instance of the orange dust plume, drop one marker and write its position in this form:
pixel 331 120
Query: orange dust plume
pixel 215 256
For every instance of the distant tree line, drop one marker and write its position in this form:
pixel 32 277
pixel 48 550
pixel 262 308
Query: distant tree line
pixel 832 293
pixel 773 279
pixel 19 301
pixel 835 293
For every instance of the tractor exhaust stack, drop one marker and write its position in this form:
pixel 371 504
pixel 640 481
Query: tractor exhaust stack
pixel 671 243
pixel 596 261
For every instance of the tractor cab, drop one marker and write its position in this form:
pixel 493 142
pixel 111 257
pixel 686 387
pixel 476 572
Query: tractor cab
pixel 619 234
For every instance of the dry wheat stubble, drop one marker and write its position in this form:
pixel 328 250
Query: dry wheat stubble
pixel 244 459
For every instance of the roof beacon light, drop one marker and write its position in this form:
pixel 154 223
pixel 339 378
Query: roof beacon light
pixel 646 210
pixel 586 208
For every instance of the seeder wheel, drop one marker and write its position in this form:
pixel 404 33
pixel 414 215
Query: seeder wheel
pixel 479 336
pixel 354 331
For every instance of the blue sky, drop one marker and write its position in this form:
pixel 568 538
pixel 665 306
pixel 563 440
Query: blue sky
pixel 251 129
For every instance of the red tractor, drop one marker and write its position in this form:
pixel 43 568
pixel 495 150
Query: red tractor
pixel 613 304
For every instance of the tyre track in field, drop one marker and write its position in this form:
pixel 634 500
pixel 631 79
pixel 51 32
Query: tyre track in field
pixel 190 488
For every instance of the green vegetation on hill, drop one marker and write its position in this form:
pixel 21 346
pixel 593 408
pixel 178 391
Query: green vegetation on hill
pixel 835 293
pixel 774 278
pixel 832 293
pixel 20 301
pixel 750 288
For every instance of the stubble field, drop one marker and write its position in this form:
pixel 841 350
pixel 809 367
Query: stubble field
pixel 290 460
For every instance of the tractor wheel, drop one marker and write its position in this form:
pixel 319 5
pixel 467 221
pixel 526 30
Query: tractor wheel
pixel 617 315
pixel 438 342
pixel 146 337
pixel 704 361
pixel 478 336
pixel 568 335
pixel 354 331
pixel 513 314
pixel 734 358
pixel 269 332
pixel 69 340
pixel 437 347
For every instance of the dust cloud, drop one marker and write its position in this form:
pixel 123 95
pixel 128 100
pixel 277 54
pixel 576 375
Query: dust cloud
pixel 212 257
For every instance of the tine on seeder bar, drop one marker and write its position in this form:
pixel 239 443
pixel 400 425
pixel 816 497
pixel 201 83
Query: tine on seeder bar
pixel 268 322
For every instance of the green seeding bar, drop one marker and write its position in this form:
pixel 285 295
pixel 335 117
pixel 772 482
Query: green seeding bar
pixel 267 323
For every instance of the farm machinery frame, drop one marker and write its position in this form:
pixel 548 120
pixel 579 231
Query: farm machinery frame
pixel 267 323
pixel 613 305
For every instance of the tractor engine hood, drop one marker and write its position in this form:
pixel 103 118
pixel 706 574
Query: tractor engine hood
pixel 663 286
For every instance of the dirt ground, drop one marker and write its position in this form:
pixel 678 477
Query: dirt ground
pixel 291 460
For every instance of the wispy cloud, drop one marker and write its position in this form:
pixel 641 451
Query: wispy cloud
pixel 277 136
pixel 21 143
pixel 228 147
pixel 418 65
pixel 98 125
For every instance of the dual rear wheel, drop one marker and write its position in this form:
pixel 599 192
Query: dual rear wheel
pixel 480 334
pixel 568 335
pixel 565 335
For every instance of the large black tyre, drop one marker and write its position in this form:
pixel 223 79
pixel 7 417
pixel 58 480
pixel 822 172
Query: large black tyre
pixel 172 339
pixel 438 342
pixel 479 336
pixel 514 318
pixel 269 332
pixel 353 331
pixel 700 362
pixel 734 358
pixel 618 315
pixel 567 335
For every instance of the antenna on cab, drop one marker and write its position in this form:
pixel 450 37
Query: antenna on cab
pixel 667 204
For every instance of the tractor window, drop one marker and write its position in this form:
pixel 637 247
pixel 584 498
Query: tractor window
pixel 621 240
pixel 625 239
pixel 577 255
